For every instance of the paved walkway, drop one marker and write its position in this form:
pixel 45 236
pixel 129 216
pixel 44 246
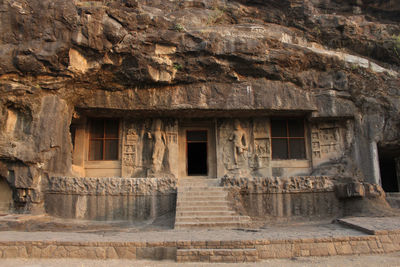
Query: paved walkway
pixel 270 233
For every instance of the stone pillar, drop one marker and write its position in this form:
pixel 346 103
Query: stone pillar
pixel 78 158
pixel 374 161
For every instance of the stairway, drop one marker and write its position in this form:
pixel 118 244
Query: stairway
pixel 393 198
pixel 202 203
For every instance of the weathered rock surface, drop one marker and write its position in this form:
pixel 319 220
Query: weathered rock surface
pixel 333 58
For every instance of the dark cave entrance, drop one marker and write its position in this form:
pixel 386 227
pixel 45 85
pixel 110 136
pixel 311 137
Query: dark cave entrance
pixel 389 165
pixel 6 197
pixel 196 145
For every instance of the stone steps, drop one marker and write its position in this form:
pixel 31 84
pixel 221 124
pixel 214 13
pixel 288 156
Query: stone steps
pixel 212 218
pixel 203 198
pixel 217 255
pixel 202 208
pixel 223 203
pixel 218 225
pixel 200 188
pixel 202 203
pixel 205 213
pixel 196 183
pixel 205 193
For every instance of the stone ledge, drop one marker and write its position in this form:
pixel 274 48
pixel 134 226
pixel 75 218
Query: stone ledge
pixel 208 251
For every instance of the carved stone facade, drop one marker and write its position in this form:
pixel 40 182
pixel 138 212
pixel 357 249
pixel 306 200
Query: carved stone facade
pixel 236 147
pixel 310 178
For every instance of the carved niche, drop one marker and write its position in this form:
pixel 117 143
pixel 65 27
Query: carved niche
pixel 325 141
pixel 129 151
pixel 262 144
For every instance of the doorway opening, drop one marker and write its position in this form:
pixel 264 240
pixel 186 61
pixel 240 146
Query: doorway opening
pixel 196 147
pixel 6 198
pixel 389 165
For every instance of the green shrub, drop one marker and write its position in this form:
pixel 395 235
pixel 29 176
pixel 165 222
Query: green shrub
pixel 178 66
pixel 179 27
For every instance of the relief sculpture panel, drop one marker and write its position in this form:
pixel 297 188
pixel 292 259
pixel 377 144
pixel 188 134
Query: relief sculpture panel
pixel 245 147
pixel 239 143
pixel 129 149
pixel 262 147
pixel 159 139
pixel 326 141
pixel 148 147
pixel 233 146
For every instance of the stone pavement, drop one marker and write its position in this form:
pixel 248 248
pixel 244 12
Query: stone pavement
pixel 373 225
pixel 293 231
pixel 236 245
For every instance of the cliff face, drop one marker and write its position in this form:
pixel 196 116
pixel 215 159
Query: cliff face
pixel 339 58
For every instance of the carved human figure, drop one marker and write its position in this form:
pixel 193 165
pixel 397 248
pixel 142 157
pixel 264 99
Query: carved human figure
pixel 159 143
pixel 239 140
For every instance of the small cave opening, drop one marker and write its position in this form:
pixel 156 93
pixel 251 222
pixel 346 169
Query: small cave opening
pixel 389 165
pixel 6 197
pixel 197 153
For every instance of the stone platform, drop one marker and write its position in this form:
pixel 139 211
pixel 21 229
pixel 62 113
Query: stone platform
pixel 373 225
pixel 235 245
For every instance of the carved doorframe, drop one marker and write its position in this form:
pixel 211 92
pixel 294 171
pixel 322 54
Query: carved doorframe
pixel 208 126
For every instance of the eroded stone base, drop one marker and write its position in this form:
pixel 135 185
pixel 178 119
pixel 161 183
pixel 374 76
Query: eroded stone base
pixel 109 208
pixel 110 199
pixel 278 199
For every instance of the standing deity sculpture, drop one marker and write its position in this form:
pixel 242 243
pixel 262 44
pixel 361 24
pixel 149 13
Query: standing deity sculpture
pixel 239 140
pixel 159 144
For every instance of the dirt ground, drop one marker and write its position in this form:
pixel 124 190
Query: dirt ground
pixel 383 260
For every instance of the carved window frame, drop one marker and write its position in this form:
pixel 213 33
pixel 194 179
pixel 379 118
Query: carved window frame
pixel 104 138
pixel 288 138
